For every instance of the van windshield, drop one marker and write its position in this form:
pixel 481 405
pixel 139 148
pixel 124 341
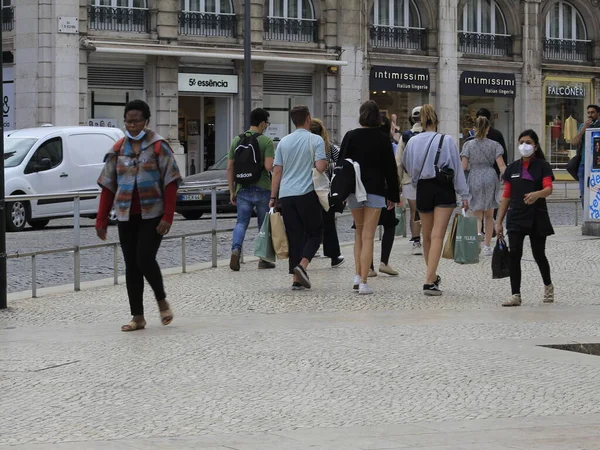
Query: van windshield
pixel 15 150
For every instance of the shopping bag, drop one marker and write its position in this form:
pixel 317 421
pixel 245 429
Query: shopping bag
pixel 448 252
pixel 264 245
pixel 500 260
pixel 401 225
pixel 321 185
pixel 466 245
pixel 278 235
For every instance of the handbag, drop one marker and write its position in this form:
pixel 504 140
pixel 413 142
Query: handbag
pixel 443 175
pixel 320 180
pixel 501 260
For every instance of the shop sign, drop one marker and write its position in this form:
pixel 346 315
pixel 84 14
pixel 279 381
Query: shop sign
pixel 488 84
pixel 8 102
pixel 399 79
pixel 569 90
pixel 208 83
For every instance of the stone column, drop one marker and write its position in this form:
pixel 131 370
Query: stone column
pixel 167 20
pixel 331 97
pixel 532 95
pixel 258 70
pixel 352 80
pixel 447 98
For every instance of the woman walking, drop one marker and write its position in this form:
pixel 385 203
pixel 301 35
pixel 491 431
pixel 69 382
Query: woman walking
pixel 331 243
pixel 141 173
pixel 480 154
pixel 527 184
pixel 373 151
pixel 433 162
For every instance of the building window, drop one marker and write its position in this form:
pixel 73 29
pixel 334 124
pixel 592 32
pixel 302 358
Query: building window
pixel 8 15
pixel 119 15
pixel 566 37
pixel 483 29
pixel 397 24
pixel 207 18
pixel 291 20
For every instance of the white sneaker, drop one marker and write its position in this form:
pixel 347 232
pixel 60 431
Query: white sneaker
pixel 417 249
pixel 356 282
pixel 488 251
pixel 364 289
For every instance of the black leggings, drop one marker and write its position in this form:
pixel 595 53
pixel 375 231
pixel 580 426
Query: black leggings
pixel 538 248
pixel 389 234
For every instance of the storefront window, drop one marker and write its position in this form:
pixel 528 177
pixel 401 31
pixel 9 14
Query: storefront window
pixel 279 107
pixel 566 102
pixel 107 106
pixel 397 90
pixel 495 92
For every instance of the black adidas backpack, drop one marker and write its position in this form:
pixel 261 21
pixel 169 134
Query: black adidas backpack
pixel 247 161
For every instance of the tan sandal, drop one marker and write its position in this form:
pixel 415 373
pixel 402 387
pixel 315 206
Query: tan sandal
pixel 133 326
pixel 166 316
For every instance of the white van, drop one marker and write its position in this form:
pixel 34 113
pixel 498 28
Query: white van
pixel 53 160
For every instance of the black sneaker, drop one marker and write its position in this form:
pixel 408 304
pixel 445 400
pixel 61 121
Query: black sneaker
pixel 265 265
pixel 337 262
pixel 297 286
pixel 431 290
pixel 302 276
pixel 438 281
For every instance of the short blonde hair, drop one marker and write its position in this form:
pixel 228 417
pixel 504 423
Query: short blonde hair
pixel 317 127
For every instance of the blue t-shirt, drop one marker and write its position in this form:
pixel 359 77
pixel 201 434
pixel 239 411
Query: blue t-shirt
pixel 294 155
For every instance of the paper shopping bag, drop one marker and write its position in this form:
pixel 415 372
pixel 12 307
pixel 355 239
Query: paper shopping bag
pixel 264 244
pixel 278 236
pixel 448 252
pixel 466 246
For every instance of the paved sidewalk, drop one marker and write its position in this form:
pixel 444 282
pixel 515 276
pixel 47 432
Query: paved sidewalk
pixel 249 364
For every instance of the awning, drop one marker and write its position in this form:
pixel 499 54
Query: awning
pixel 130 48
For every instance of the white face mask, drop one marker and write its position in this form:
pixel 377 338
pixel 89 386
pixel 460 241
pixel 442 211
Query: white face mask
pixel 526 150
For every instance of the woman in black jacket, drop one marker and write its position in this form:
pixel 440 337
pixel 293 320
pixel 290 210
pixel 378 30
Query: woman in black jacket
pixel 527 184
pixel 373 152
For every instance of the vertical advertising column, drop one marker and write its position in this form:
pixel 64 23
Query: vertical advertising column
pixel 591 191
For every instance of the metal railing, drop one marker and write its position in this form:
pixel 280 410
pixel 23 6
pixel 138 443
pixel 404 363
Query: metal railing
pixel 485 44
pixel 107 18
pixel 568 50
pixel 8 18
pixel 301 30
pixel 206 24
pixel 398 37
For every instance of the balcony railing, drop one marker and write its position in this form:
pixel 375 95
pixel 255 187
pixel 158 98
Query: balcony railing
pixel 399 38
pixel 206 24
pixel 301 30
pixel 134 20
pixel 8 18
pixel 568 50
pixel 485 44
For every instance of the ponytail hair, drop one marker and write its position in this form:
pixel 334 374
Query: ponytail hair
pixel 429 117
pixel 482 125
pixel 536 140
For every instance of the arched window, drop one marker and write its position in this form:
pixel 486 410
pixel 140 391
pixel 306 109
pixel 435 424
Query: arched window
pixel 563 21
pixel 483 17
pixel 395 13
pixel 207 6
pixel 290 20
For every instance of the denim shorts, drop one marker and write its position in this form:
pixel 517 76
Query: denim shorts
pixel 373 201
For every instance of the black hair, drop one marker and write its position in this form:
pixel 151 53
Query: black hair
pixel 536 140
pixel 369 115
pixel 386 126
pixel 138 105
pixel 485 113
pixel 596 107
pixel 258 116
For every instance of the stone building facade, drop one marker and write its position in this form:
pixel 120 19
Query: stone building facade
pixel 533 63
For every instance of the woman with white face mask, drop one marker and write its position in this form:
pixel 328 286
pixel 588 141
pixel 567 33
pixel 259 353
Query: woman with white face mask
pixel 528 182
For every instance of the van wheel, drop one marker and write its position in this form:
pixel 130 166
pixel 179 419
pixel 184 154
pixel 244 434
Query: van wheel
pixel 191 215
pixel 17 214
pixel 112 217
pixel 38 224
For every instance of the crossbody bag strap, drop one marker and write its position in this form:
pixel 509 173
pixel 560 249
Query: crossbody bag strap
pixel 426 154
pixel 439 151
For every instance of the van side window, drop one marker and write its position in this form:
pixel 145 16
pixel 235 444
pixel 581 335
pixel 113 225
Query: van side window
pixel 51 149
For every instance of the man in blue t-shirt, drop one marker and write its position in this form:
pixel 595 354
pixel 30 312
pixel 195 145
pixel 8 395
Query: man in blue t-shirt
pixel 593 112
pixel 295 157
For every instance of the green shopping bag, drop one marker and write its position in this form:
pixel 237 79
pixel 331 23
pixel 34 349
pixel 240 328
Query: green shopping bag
pixel 264 244
pixel 466 246
pixel 401 225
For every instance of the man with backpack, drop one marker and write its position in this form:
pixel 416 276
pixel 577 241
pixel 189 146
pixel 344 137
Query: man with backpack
pixel 248 174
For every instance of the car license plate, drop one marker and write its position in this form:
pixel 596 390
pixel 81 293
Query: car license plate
pixel 190 197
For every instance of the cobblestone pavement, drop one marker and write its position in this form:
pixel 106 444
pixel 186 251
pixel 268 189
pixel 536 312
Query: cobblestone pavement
pixel 249 364
pixel 57 269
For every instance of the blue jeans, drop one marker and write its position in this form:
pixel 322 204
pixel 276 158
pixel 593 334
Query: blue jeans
pixel 247 199
pixel 581 176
